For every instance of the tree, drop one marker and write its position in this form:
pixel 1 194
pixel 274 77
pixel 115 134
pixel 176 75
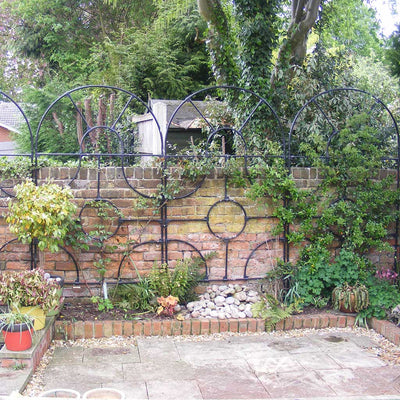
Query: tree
pixel 352 25
pixel 393 52
pixel 258 24
pixel 120 43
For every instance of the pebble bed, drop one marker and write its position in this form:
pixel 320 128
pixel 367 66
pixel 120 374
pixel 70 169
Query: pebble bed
pixel 223 302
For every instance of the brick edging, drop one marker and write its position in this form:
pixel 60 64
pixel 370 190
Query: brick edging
pixel 98 329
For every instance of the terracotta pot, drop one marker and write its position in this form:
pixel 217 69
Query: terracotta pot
pixel 17 337
pixel 351 306
pixel 103 393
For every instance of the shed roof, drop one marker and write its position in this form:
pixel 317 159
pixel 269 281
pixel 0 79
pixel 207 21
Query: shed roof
pixel 10 116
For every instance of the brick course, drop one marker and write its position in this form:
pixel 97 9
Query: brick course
pixel 168 327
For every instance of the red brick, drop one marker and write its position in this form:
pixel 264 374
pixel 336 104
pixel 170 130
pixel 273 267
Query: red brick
pixel 314 322
pixel 376 324
pixel 323 321
pixel 205 326
pixel 138 328
pixel 117 328
pixel 79 332
pixel 233 325
pixel 297 322
pixel 176 328
pixel 196 327
pixel 333 320
pixel 147 328
pixel 280 325
pixel 156 328
pixel 108 328
pixel 223 325
pixel 341 321
pixel 242 325
pixel 186 327
pixel 260 325
pixel 214 325
pixel 289 323
pixel 307 322
pixel 396 337
pixel 252 325
pixel 350 320
pixel 127 327
pixel 70 331
pixel 166 327
pixel 98 329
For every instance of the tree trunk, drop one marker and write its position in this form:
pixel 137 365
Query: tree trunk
pixel 294 48
pixel 219 41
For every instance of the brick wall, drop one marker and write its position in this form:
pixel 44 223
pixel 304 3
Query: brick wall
pixel 238 230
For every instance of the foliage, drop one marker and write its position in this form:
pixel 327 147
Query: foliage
pixel 41 213
pixel 383 297
pixel 11 320
pixel 350 297
pixel 167 305
pixel 179 282
pixel 103 304
pixel 162 282
pixel 17 167
pixel 357 207
pixel 393 52
pixel 138 296
pixel 28 288
pixel 352 25
pixel 270 309
pixel 317 276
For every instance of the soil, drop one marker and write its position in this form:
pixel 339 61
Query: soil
pixel 84 310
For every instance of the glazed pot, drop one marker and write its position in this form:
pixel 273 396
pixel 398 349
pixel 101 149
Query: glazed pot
pixel 17 337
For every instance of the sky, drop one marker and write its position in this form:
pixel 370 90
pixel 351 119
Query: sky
pixel 385 9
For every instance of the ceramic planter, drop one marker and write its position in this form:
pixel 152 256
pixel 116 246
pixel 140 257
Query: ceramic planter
pixel 37 313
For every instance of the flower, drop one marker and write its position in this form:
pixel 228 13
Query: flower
pixel 387 274
pixel 28 288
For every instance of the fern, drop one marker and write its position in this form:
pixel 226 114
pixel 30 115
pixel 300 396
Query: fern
pixel 272 311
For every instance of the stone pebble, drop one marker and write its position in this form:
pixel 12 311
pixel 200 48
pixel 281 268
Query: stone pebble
pixel 224 301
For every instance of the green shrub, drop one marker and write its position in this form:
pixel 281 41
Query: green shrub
pixel 317 276
pixel 383 297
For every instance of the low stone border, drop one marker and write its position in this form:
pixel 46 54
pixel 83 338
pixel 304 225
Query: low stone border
pixel 98 329
pixel 30 358
pixel 387 329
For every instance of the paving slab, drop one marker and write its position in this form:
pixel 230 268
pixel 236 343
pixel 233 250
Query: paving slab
pixel 295 384
pixel 347 382
pixel 331 364
pixel 173 389
pixel 11 379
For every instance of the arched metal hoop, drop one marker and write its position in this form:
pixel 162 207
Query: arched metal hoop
pixel 202 117
pixel 122 154
pixel 364 102
pixel 24 121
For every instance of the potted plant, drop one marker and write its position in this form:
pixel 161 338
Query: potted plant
pixel 17 329
pixel 350 298
pixel 43 215
pixel 30 292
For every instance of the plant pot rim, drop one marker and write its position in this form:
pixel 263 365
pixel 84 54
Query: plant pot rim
pixel 15 327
